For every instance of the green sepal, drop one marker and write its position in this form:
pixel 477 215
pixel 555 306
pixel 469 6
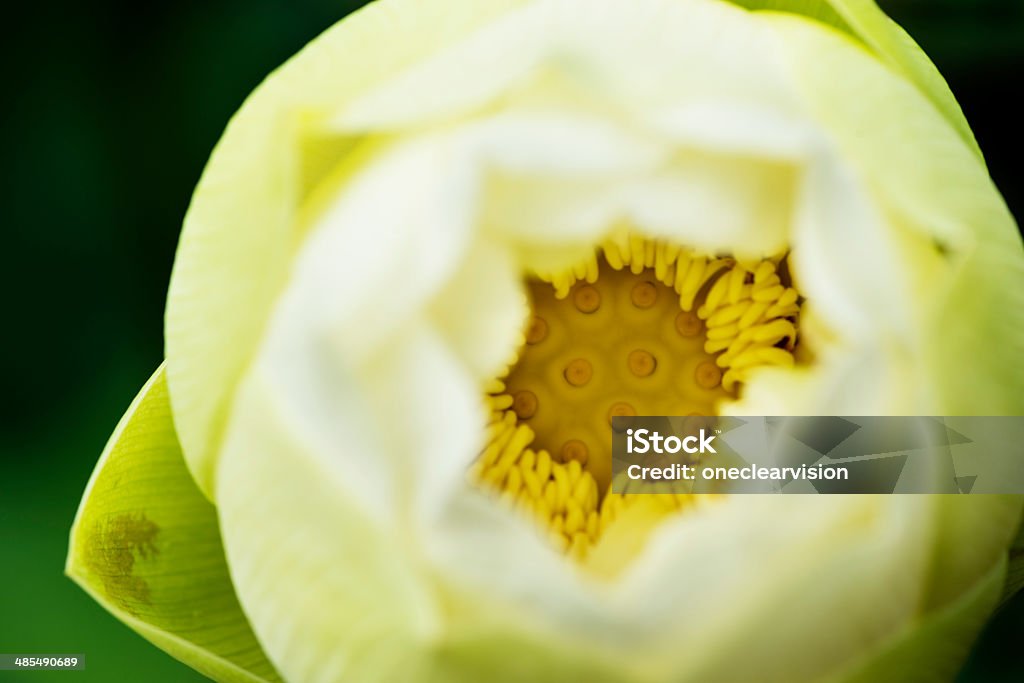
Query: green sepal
pixel 1015 571
pixel 146 545
pixel 934 647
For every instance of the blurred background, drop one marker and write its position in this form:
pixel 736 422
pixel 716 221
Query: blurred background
pixel 112 109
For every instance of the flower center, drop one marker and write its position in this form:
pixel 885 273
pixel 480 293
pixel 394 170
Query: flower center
pixel 641 327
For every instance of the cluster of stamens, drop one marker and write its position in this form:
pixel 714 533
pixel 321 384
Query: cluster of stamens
pixel 640 327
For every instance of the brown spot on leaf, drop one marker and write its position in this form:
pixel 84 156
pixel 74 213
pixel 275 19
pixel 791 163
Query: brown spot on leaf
pixel 115 545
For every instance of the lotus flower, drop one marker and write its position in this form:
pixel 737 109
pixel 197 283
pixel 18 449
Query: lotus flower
pixel 442 246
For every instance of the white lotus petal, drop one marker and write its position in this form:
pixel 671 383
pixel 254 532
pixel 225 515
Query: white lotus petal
pixel 746 130
pixel 844 255
pixel 716 203
pixel 868 379
pixel 805 552
pixel 563 187
pixel 327 577
pixel 373 259
pixel 607 50
pixel 412 415
pixel 325 590
pixel 694 583
pixel 483 310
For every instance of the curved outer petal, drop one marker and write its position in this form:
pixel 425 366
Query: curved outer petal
pixel 976 531
pixel 1015 573
pixel 898 50
pixel 241 229
pixel 932 648
pixel 146 545
pixel 326 573
pixel 929 184
pixel 867 22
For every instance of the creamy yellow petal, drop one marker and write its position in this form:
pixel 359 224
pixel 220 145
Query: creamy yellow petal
pixel 866 21
pixel 584 55
pixel 483 310
pixel 959 253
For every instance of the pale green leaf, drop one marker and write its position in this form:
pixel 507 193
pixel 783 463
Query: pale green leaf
pixel 146 545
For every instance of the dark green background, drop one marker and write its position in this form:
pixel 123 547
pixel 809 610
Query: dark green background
pixel 110 111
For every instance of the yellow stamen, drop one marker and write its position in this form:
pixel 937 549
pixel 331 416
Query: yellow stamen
pixel 638 327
